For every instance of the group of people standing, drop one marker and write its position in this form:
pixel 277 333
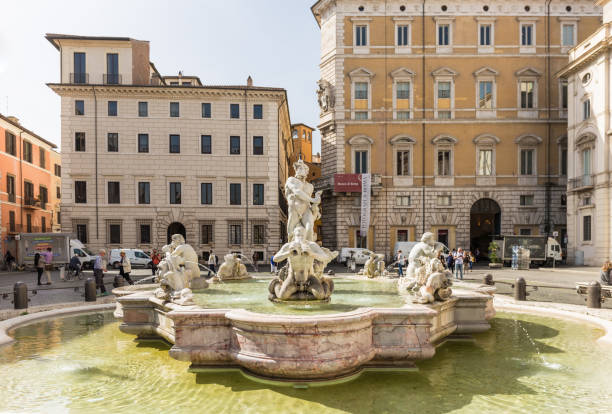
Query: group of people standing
pixel 456 261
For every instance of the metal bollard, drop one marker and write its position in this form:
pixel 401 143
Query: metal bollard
pixel 594 295
pixel 488 279
pixel 20 295
pixel 520 289
pixel 90 290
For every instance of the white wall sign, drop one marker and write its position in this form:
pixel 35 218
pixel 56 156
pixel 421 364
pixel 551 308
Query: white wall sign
pixel 365 204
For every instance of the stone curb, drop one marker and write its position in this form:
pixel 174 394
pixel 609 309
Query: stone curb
pixel 9 324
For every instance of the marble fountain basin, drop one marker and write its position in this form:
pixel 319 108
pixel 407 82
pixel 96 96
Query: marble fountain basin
pixel 308 346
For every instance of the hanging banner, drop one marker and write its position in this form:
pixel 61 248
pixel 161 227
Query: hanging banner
pixel 365 204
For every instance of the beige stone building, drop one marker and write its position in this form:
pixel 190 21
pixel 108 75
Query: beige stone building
pixel 145 156
pixel 455 110
pixel 589 192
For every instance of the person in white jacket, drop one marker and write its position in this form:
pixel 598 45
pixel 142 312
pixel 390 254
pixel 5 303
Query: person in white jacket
pixel 125 267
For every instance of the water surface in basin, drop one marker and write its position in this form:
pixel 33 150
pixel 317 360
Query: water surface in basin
pixel 524 364
pixel 348 295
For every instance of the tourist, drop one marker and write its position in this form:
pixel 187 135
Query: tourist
pixel 471 260
pixel 155 259
pixel 459 263
pixel 477 255
pixel 40 266
pixel 606 273
pixel 99 269
pixel 255 261
pixel 401 262
pixel 9 261
pixel 450 260
pixel 48 257
pixel 212 262
pixel 125 267
pixel 272 265
pixel 75 264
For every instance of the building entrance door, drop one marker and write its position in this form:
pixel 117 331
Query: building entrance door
pixel 176 228
pixel 485 222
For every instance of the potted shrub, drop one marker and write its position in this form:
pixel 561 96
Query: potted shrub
pixel 494 259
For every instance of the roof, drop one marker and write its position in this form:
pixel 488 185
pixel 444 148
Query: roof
pixel 17 125
pixel 301 124
pixel 235 87
pixel 54 37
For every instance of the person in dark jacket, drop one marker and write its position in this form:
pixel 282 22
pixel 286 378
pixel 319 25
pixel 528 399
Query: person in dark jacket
pixel 450 260
pixel 40 266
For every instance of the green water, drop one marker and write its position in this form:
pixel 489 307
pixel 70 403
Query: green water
pixel 524 364
pixel 252 294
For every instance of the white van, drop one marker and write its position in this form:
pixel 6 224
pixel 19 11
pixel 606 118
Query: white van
pixel 86 257
pixel 359 254
pixel 137 257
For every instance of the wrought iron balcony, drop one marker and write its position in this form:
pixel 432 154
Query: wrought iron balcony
pixel 79 78
pixel 581 182
pixel 112 79
pixel 31 202
pixel 23 228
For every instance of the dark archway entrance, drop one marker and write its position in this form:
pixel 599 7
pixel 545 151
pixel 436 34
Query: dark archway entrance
pixel 176 228
pixel 485 222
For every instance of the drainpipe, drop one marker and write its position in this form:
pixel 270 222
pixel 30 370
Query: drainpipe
pixel 21 177
pixel 246 163
pixel 423 116
pixel 548 125
pixel 93 89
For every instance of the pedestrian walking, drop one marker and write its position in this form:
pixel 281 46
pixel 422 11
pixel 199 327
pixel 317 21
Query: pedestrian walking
pixel 255 261
pixel 39 263
pixel 155 259
pixel 9 261
pixel 606 273
pixel 459 263
pixel 450 260
pixel 212 263
pixel 401 262
pixel 48 258
pixel 99 269
pixel 125 267
pixel 471 259
pixel 272 265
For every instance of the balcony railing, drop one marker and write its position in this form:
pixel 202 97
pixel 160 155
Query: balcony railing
pixel 30 202
pixel 23 228
pixel 583 181
pixel 79 78
pixel 112 79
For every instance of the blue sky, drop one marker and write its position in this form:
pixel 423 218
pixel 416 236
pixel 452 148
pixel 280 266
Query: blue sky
pixel 222 42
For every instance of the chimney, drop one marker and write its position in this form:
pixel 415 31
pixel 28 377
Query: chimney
pixel 13 119
pixel 249 81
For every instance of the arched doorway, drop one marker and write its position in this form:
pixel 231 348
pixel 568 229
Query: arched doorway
pixel 176 228
pixel 485 222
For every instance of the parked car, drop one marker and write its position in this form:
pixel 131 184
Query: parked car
pixel 137 257
pixel 359 254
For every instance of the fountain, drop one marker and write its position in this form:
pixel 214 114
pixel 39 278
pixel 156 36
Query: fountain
pixel 231 269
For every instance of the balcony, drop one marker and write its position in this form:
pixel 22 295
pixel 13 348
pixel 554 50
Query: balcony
pixel 23 228
pixel 30 202
pixel 112 79
pixel 81 78
pixel 583 182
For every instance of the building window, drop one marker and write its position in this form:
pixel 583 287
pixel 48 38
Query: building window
pixel 402 201
pixel 113 142
pixel 143 109
pixel 28 190
pixel 586 164
pixel 112 108
pixel 206 144
pixel 361 35
pixel 79 75
pixel 143 142
pixel 206 113
pixel 485 32
pixel 80 192
pixel 564 94
pixel 235 234
pixel 58 170
pixel 113 192
pixel 144 192
pixel 403 162
pixel 259 233
pixel 79 141
pixel 527 161
pixel 257 111
pixel 145 233
pixel 402 100
pixel 485 94
pixel 563 161
pixel 586 228
pixel 586 109
pixel 568 35
pixel 403 35
pixel 112 69
pixel 10 143
pixel 361 100
pixel 443 35
pixel 361 242
pixel 443 200
pixel 43 224
pixel 361 162
pixel 174 109
pixel 206 195
pixel 28 223
pixel 527 30
pixel 27 151
pixel 485 162
pixel 402 90
pixel 258 146
pixel 58 192
pixel 114 233
pixel 526 231
pixel 175 193
pixel 10 188
pixel 234 145
pixel 361 90
pixel 79 107
pixel 175 144
pixel 43 196
pixel 206 234
pixel 81 233
pixel 42 158
pixel 526 200
pixel 258 194
pixel 444 163
pixel 234 111
pixel 527 89
pixel 235 197
pixel 12 221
